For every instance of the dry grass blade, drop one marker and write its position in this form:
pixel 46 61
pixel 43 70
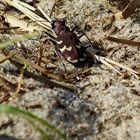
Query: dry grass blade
pixel 106 4
pixel 106 61
pixel 23 61
pixel 103 61
pixel 29 12
pixel 123 41
pixel 19 62
pixel 124 67
pixel 120 65
pixel 130 8
pixel 13 41
pixel 40 54
pixel 25 5
pixel 7 57
pixel 74 74
pixel 20 82
pixel 24 25
pixel 5 80
pixel 45 15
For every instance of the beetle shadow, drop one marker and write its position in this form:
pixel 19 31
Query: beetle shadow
pixel 83 112
pixel 6 137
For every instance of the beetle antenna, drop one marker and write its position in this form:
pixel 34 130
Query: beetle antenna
pixel 93 53
pixel 60 59
pixel 88 38
pixel 54 4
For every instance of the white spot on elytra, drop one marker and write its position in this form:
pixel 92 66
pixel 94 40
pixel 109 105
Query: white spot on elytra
pixel 59 42
pixel 72 61
pixel 65 48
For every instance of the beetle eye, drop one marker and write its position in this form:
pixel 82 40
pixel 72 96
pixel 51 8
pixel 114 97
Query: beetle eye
pixel 53 23
pixel 61 21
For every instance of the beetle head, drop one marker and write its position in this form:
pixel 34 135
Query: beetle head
pixel 58 26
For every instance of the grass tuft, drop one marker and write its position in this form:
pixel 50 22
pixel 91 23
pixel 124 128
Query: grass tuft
pixel 34 120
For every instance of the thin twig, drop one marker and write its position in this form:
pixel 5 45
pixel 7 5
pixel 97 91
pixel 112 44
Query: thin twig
pixel 44 14
pixel 120 65
pixel 23 61
pixel 20 82
pixel 102 60
pixel 40 54
pixel 6 58
pixel 29 11
pixel 19 62
pixel 123 41
pixel 130 8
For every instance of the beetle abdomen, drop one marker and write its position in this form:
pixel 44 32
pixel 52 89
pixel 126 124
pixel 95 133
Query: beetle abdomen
pixel 66 43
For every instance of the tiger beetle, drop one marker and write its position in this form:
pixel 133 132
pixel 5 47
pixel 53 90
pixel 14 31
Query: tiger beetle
pixel 68 43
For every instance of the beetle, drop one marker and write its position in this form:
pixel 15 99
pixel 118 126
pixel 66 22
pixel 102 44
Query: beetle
pixel 68 44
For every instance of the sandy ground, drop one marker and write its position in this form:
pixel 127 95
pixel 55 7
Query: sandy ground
pixel 107 107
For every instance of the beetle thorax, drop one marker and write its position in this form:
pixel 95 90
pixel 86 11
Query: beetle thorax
pixel 59 26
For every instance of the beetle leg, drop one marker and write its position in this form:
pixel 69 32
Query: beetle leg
pixel 81 32
pixel 90 52
pixel 53 7
pixel 74 28
pixel 59 55
pixel 54 4
pixel 80 35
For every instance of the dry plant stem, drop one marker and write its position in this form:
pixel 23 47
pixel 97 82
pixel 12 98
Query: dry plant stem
pixel 106 61
pixel 44 14
pixel 20 82
pixel 47 81
pixel 6 58
pixel 40 54
pixel 10 83
pixel 130 8
pixel 54 4
pixel 86 70
pixel 46 26
pixel 103 61
pixel 123 41
pixel 14 21
pixel 6 80
pixel 29 11
pixel 124 67
pixel 120 65
pixel 74 74
pixel 90 52
pixel 23 61
pixel 40 78
pixel 25 8
pixel 106 4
